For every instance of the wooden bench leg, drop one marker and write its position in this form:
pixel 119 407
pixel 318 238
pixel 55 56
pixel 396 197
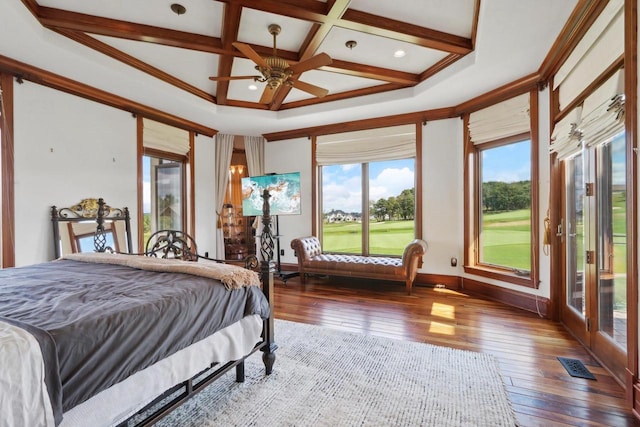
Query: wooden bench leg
pixel 409 284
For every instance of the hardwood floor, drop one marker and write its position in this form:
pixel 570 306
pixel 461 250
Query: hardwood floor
pixel 541 390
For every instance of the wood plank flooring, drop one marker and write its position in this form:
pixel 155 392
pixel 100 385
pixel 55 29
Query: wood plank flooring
pixel 542 392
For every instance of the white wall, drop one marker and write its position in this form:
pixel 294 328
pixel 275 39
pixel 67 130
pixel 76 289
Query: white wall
pixel 67 149
pixel 442 196
pixel 205 189
pixel 292 156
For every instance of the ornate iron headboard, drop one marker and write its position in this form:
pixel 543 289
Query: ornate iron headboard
pixel 80 219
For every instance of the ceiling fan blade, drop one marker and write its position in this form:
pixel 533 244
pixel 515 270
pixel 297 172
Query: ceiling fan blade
pixel 267 95
pixel 309 88
pixel 225 78
pixel 317 61
pixel 251 54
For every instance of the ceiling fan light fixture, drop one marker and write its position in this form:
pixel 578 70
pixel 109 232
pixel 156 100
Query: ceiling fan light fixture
pixel 178 9
pixel 277 74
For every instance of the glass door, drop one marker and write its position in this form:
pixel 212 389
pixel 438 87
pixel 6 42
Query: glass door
pixel 609 338
pixel 595 251
pixel 574 311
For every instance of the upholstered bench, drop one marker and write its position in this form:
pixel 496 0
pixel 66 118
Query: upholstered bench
pixel 311 260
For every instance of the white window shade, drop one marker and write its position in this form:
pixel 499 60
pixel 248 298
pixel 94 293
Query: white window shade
pixel 603 111
pixel 162 137
pixel 507 118
pixel 566 138
pixel 392 143
pixel 601 46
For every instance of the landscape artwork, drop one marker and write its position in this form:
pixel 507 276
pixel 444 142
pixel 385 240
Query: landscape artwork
pixel 283 188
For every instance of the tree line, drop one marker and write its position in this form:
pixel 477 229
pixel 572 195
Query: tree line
pixel 394 207
pixel 502 196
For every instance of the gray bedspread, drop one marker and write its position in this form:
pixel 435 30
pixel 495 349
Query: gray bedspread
pixel 107 322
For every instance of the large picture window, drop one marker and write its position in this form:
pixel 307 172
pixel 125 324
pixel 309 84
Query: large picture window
pixel 385 216
pixel 501 213
pixel 367 191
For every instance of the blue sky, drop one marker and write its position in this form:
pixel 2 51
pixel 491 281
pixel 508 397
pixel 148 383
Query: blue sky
pixel 342 185
pixel 509 163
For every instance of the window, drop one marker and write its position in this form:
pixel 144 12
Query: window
pixel 166 176
pixel 505 211
pixel 500 227
pixel 367 206
pixel 162 194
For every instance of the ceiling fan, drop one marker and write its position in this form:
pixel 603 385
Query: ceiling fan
pixel 276 72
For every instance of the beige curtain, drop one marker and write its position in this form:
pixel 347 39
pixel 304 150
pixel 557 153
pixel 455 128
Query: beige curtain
pixel 254 150
pixel 224 150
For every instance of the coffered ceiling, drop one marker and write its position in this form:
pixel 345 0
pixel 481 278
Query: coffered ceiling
pixel 143 50
pixel 184 47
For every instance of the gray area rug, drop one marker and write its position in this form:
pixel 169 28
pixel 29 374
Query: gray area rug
pixel 324 377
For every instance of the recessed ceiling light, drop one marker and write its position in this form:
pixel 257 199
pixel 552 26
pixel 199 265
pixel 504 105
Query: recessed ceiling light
pixel 178 9
pixel 399 53
pixel 253 87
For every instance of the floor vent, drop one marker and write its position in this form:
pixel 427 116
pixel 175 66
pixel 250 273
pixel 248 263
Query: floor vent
pixel 576 368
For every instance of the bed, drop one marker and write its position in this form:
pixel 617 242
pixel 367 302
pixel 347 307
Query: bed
pixel 98 338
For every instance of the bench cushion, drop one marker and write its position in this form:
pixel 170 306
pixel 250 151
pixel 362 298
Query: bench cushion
pixel 355 264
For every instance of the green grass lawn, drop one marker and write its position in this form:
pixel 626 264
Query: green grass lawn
pixel 385 238
pixel 506 239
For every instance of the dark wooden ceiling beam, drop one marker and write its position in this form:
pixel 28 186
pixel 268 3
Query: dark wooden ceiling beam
pixel 335 10
pixel 373 123
pixel 64 84
pixel 134 62
pixel 230 28
pixel 403 31
pixel 340 15
pixel 308 10
pixel 61 19
pixel 439 66
pixel 499 94
pixel 343 95
pixel 370 72
pixel 33 7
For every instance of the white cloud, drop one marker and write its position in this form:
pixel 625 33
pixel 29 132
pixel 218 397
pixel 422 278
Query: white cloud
pixel 146 196
pixel 347 195
pixel 391 182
